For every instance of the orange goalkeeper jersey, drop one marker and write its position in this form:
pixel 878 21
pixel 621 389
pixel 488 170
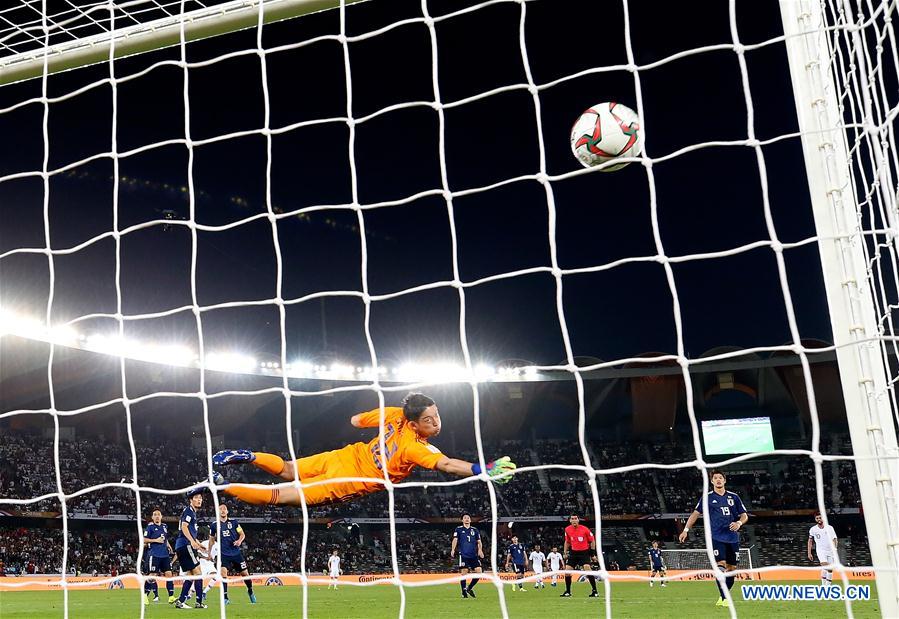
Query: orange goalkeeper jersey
pixel 404 451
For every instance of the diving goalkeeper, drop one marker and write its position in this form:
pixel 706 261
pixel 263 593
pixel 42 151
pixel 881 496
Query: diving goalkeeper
pixel 406 434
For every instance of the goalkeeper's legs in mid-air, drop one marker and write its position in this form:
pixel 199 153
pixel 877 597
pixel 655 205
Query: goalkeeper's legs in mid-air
pixel 357 469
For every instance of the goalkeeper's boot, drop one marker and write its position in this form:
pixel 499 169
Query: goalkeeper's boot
pixel 567 594
pixel 252 598
pixel 593 594
pixel 233 456
pixel 471 593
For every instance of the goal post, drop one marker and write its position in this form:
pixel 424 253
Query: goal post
pixel 698 559
pixel 210 21
pixel 838 214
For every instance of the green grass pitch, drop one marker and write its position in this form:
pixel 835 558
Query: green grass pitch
pixel 680 600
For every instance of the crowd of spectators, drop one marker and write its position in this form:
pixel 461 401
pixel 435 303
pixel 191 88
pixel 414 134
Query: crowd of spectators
pixel 26 472
pixel 279 549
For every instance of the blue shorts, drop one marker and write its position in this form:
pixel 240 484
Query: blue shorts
pixel 657 567
pixel 187 558
pixel 159 565
pixel 234 562
pixel 469 563
pixel 729 552
pixel 519 568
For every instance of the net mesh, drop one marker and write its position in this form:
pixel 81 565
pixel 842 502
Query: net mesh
pixel 863 58
pixel 696 559
pixel 22 26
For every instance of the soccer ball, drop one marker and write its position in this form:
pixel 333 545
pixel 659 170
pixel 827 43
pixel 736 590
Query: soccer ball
pixel 604 132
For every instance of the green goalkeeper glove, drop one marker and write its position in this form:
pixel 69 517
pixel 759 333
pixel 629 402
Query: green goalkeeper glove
pixel 495 468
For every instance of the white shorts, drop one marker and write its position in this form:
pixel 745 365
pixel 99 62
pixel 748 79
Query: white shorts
pixel 555 568
pixel 207 567
pixel 537 569
pixel 825 556
pixel 334 574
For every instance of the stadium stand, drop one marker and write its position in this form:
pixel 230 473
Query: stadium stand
pixel 31 542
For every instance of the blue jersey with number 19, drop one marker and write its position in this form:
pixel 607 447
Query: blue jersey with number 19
pixel 723 510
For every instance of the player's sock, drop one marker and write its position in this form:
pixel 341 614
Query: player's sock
pixel 270 463
pixel 462 584
pixel 147 586
pixel 198 590
pixel 185 589
pixel 592 580
pixel 718 583
pixel 249 583
pixel 729 581
pixel 170 587
pixel 225 587
pixel 567 583
pixel 254 496
pixel 474 581
pixel 826 577
pixel 155 589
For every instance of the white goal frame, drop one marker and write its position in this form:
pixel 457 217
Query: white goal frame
pixel 703 557
pixel 856 332
pixel 158 34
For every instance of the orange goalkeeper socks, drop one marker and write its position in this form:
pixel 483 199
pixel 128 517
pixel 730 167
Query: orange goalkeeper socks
pixel 254 496
pixel 270 463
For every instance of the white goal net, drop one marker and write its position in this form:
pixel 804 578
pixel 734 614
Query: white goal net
pixel 388 185
pixel 697 560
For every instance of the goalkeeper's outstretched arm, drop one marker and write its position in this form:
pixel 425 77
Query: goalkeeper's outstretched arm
pixel 497 469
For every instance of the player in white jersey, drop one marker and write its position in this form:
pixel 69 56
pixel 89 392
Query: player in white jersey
pixel 334 569
pixel 555 563
pixel 207 556
pixel 537 558
pixel 825 539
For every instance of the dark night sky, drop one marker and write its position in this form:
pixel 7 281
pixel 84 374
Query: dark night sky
pixel 708 200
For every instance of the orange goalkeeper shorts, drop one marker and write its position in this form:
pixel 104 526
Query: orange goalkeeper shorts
pixel 331 465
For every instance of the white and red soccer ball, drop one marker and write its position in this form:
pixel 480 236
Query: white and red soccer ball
pixel 605 132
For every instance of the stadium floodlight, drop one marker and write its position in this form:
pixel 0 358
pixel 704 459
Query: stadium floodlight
pixel 64 335
pixel 174 355
pixel 229 362
pixel 484 372
pixel 299 369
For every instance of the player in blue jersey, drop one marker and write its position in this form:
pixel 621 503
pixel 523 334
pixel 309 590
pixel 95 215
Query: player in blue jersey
pixel 232 558
pixel 156 536
pixel 656 564
pixel 516 555
pixel 467 540
pixel 188 546
pixel 727 515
